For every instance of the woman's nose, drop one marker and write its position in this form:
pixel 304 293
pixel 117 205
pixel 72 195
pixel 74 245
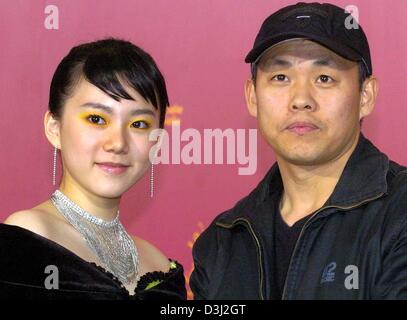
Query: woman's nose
pixel 116 141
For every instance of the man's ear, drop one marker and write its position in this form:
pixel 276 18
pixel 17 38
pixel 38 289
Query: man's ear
pixel 368 96
pixel 52 129
pixel 251 99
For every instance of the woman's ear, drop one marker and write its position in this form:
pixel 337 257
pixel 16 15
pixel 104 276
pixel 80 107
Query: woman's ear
pixel 368 96
pixel 52 129
pixel 251 99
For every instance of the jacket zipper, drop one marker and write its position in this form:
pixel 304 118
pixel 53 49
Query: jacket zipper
pixel 259 252
pixel 309 221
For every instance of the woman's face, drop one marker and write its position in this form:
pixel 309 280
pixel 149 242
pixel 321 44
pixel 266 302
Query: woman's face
pixel 105 143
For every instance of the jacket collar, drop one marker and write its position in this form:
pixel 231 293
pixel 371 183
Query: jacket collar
pixel 363 178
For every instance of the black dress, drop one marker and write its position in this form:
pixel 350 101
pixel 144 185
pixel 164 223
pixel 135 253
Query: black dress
pixel 25 255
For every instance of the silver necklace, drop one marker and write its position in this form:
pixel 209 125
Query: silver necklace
pixel 107 239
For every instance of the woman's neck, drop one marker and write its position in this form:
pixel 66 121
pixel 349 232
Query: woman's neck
pixel 103 208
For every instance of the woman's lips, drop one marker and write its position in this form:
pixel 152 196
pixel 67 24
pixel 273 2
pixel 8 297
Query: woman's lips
pixel 112 168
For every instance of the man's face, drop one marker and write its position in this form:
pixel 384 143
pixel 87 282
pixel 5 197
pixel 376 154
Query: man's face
pixel 307 101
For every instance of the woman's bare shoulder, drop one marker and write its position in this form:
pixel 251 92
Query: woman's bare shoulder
pixel 153 259
pixel 37 219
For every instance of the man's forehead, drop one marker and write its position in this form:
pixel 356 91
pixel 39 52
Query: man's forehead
pixel 306 50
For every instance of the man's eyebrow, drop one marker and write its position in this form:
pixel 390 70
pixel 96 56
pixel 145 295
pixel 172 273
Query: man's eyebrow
pixel 109 110
pixel 327 62
pixel 278 62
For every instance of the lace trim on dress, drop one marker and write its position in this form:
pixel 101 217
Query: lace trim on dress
pixel 147 280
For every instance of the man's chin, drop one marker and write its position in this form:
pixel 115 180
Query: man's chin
pixel 301 159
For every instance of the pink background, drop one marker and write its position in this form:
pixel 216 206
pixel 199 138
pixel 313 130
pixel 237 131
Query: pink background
pixel 200 46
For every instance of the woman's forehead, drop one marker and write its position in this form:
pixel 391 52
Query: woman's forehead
pixel 87 94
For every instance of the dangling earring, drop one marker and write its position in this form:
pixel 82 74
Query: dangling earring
pixel 152 181
pixel 54 170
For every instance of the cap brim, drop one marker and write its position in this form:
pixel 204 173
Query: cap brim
pixel 339 49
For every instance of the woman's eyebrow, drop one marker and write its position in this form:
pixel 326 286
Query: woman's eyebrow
pixel 100 106
pixel 109 110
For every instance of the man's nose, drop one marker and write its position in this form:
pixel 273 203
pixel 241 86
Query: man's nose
pixel 302 97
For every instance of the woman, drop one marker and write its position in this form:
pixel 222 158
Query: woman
pixel 105 98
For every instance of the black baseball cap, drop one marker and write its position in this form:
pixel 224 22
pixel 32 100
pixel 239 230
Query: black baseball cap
pixel 324 23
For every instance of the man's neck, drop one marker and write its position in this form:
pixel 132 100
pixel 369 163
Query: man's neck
pixel 307 188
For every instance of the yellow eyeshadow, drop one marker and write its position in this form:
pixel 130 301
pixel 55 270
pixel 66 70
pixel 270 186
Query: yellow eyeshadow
pixel 86 115
pixel 148 122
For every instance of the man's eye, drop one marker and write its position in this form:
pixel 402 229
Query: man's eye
pixel 280 77
pixel 324 79
pixel 95 119
pixel 140 124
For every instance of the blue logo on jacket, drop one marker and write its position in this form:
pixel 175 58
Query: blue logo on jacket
pixel 328 275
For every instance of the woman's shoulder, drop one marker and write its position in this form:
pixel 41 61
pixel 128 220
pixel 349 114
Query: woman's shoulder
pixel 38 219
pixel 23 245
pixel 29 219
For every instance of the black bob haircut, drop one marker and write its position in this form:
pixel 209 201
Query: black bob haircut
pixel 108 64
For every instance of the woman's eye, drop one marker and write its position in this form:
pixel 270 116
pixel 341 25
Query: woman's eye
pixel 95 119
pixel 280 77
pixel 324 79
pixel 140 125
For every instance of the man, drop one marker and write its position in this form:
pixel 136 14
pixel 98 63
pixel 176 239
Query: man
pixel 329 220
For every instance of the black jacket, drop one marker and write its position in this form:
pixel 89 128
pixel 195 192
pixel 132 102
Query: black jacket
pixel 354 247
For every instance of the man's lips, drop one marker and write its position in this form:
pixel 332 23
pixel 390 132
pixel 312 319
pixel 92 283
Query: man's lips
pixel 302 127
pixel 113 167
